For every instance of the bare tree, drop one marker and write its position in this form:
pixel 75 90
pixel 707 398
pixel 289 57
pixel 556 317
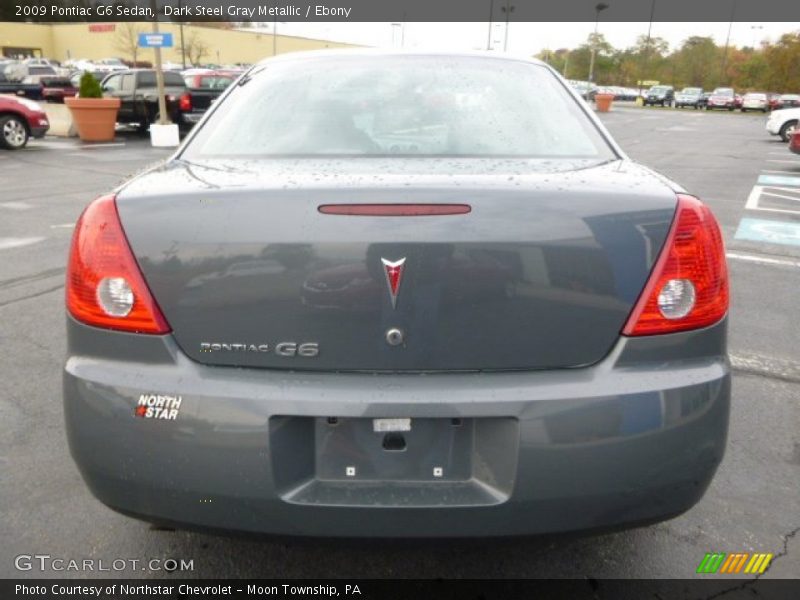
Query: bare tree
pixel 194 48
pixel 126 40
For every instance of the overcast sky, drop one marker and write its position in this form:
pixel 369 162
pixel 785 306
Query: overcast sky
pixel 526 38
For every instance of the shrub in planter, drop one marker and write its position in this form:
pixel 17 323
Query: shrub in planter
pixel 94 116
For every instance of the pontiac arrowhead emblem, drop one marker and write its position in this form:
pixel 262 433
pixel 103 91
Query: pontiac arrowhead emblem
pixel 394 275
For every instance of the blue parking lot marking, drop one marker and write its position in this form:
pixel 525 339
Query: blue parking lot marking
pixel 778 180
pixel 773 232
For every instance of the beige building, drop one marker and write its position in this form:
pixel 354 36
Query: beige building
pixel 104 40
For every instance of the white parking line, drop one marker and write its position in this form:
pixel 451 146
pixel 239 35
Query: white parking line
pixel 757 192
pixel 63 226
pixel 109 145
pixel 791 162
pixel 763 260
pixel 785 172
pixel 16 205
pixel 774 195
pixel 10 242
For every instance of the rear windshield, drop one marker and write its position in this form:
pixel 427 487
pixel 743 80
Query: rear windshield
pixel 692 91
pixel 723 92
pixel 755 96
pixel 660 88
pixel 41 71
pixel 409 105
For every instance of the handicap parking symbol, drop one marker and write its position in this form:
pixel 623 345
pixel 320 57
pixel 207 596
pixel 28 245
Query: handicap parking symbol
pixel 772 232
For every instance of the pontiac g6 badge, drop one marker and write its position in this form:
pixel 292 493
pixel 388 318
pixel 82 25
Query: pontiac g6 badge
pixel 394 275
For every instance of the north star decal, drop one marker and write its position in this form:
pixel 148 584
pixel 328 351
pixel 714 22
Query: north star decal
pixel 156 406
pixel 394 275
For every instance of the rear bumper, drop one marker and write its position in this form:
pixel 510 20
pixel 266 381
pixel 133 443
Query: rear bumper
pixel 635 438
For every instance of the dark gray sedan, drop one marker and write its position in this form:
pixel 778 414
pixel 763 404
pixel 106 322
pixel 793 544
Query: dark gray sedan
pixel 379 294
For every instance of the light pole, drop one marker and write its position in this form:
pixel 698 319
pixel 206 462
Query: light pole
pixel 754 28
pixel 507 9
pixel 395 28
pixel 489 35
pixel 600 6
pixel 727 43
pixel 180 27
pixel 646 55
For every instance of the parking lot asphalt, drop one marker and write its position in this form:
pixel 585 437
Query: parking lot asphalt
pixel 753 504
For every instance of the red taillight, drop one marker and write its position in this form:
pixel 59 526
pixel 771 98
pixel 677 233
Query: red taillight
pixel 185 103
pixel 104 285
pixel 688 287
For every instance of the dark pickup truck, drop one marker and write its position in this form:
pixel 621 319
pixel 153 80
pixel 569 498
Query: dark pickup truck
pixel 32 91
pixel 138 94
pixel 202 89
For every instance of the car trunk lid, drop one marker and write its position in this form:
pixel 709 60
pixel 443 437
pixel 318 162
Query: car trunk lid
pixel 541 273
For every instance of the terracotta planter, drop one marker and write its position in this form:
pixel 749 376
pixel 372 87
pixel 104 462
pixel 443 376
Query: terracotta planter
pixel 603 102
pixel 94 117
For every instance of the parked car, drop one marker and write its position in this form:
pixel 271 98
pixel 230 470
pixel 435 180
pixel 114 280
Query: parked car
pixel 138 94
pixel 20 120
pixel 585 89
pixel 738 100
pixel 773 101
pixel 19 71
pixel 794 141
pixel 110 64
pixel 690 96
pixel 755 101
pixel 75 77
pixel 722 98
pixel 662 95
pixel 55 89
pixel 26 88
pixel 579 379
pixel 704 99
pixel 202 89
pixel 783 122
pixel 789 100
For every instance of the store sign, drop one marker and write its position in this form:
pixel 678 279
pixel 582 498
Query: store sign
pixel 155 40
pixel 102 27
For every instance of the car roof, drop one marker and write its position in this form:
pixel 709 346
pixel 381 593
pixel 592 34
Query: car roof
pixel 380 52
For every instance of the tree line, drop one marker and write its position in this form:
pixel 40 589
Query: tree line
pixel 697 62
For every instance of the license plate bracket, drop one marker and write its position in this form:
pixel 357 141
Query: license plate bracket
pixel 394 449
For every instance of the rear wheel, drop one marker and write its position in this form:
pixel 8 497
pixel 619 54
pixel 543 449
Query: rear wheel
pixel 788 129
pixel 13 132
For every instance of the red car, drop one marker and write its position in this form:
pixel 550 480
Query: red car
pixel 794 142
pixel 20 119
pixel 55 89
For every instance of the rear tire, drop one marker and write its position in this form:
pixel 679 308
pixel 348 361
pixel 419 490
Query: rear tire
pixel 13 132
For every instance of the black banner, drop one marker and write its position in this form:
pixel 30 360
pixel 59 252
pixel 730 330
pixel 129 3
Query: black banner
pixel 400 10
pixel 406 589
